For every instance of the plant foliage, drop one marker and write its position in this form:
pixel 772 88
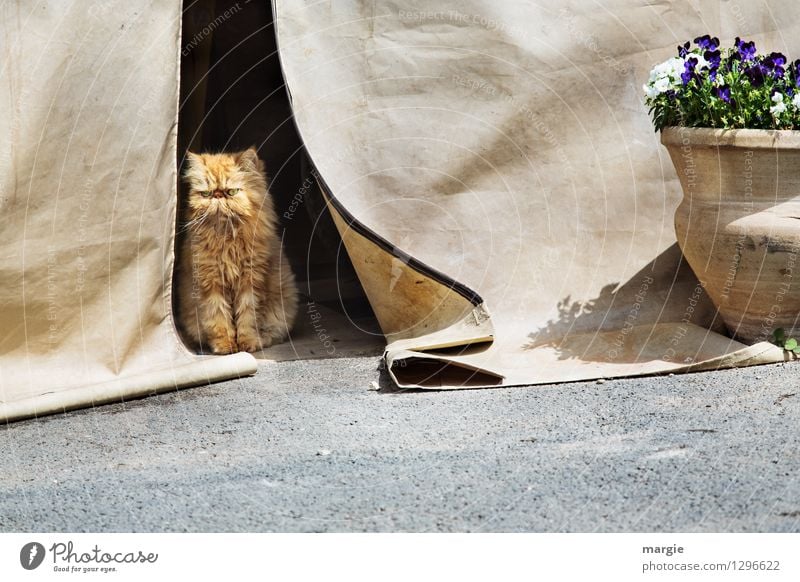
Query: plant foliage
pixel 706 86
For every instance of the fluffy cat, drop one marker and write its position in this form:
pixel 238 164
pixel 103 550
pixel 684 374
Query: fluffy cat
pixel 236 291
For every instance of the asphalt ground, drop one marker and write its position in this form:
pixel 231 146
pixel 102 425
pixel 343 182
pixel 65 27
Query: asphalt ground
pixel 313 446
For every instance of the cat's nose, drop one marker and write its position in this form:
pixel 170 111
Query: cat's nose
pixel 219 194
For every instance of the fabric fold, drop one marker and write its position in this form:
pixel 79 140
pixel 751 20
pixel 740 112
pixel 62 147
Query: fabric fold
pixel 504 149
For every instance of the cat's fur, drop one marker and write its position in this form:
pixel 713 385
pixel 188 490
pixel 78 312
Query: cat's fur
pixel 236 291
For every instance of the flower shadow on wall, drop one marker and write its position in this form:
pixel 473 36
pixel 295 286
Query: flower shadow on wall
pixel 616 325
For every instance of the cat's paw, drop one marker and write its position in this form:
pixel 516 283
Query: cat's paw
pixel 271 336
pixel 248 344
pixel 223 346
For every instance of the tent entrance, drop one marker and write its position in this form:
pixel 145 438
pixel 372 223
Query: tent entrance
pixel 233 96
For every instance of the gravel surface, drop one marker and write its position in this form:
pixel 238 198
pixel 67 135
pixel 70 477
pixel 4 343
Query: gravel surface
pixel 312 446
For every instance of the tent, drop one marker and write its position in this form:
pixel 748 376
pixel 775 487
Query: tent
pixel 489 168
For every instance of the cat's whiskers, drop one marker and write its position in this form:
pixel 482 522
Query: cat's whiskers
pixel 195 222
pixel 186 226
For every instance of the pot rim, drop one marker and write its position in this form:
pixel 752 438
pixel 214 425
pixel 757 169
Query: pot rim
pixel 745 138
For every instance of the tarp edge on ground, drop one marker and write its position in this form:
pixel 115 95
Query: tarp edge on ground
pixel 202 371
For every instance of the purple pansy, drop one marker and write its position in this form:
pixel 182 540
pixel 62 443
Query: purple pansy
pixel 714 58
pixel 707 43
pixel 778 58
pixel 723 92
pixel 745 51
pixel 689 72
pixel 774 64
pixel 757 74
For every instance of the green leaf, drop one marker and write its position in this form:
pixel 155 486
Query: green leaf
pixel 796 350
pixel 790 344
pixel 779 335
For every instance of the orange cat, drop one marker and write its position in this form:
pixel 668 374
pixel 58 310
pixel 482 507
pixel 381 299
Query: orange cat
pixel 236 291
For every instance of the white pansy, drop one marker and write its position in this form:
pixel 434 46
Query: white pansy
pixel 667 75
pixel 779 106
pixel 650 91
pixel 664 76
pixel 796 101
pixel 659 71
pixel 676 69
pixel 662 85
pixel 671 68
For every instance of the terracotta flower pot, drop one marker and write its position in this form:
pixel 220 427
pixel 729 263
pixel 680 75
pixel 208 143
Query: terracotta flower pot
pixel 739 223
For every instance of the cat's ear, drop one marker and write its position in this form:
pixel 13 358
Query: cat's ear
pixel 192 167
pixel 192 159
pixel 248 160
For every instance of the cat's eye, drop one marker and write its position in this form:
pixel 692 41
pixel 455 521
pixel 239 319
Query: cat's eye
pixel 233 191
pixel 205 193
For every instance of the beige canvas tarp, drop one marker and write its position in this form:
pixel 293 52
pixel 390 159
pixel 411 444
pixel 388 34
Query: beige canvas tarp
pixel 498 184
pixel 490 166
pixel 88 102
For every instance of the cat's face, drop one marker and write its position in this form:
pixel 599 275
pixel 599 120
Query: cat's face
pixel 224 186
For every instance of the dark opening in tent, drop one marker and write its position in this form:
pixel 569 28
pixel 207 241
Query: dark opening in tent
pixel 232 97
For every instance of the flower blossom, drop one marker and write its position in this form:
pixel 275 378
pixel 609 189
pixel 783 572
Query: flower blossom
pixel 779 106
